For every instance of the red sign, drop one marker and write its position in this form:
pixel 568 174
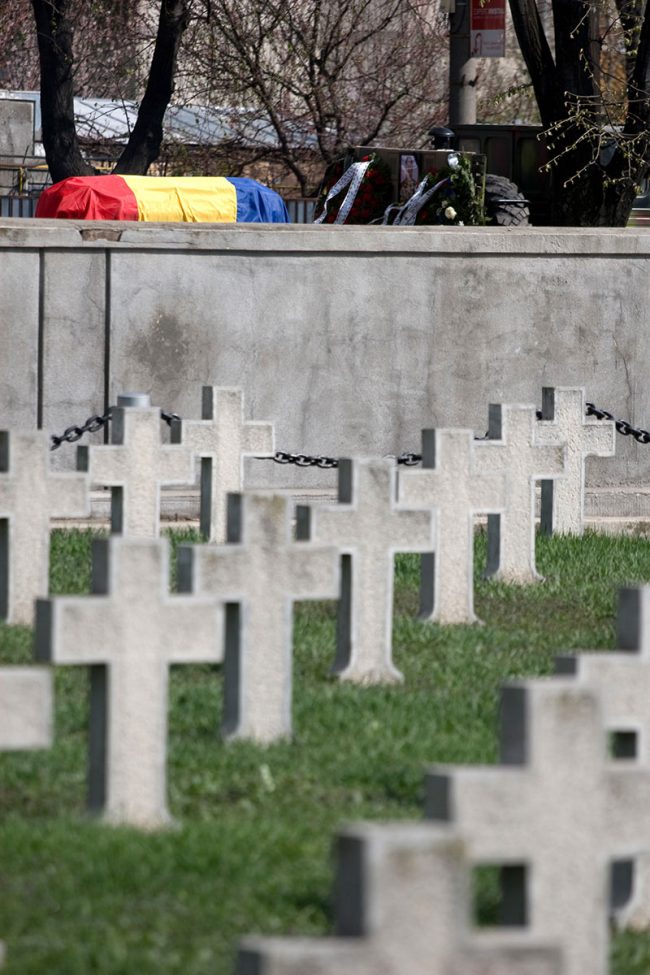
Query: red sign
pixel 488 29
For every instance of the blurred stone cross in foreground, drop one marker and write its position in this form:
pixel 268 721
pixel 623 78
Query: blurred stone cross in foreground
pixel 135 465
pixel 259 575
pixel 554 815
pixel 623 678
pixel 403 905
pixel 129 632
pixel 222 439
pixel 30 495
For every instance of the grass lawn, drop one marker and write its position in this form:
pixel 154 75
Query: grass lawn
pixel 252 851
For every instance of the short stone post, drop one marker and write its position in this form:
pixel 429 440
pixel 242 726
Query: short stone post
pixel 623 679
pixel 450 485
pixel 26 713
pixel 512 448
pixel 129 632
pixel 135 465
pixel 369 528
pixel 222 439
pixel 259 575
pixel 30 495
pixel 554 815
pixel 564 422
pixel 402 908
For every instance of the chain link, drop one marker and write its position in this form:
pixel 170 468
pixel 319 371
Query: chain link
pixel 95 423
pixel 169 417
pixel 622 426
pixel 72 434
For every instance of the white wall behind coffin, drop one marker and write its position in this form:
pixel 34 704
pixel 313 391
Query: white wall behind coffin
pixel 350 339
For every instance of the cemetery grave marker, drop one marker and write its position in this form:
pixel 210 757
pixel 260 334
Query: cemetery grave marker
pixel 623 678
pixel 259 575
pixel 554 815
pixel 129 632
pixel 26 708
pixel 512 448
pixel 402 908
pixel 369 528
pixel 564 422
pixel 222 439
pixel 135 465
pixel 30 495
pixel 450 484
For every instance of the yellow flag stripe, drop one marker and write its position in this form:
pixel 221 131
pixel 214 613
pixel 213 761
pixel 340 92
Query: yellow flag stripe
pixel 193 199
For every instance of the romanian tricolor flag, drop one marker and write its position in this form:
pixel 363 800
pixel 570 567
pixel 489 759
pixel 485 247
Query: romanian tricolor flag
pixel 191 199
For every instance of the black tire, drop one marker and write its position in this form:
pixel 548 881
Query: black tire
pixel 501 206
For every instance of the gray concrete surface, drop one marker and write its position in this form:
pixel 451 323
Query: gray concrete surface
pixel 350 340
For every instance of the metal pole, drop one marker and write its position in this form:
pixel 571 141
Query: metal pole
pixel 462 67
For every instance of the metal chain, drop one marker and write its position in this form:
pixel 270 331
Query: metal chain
pixel 95 423
pixel 622 426
pixel 72 434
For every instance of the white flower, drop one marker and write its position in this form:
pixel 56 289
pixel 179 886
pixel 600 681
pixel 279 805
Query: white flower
pixel 450 213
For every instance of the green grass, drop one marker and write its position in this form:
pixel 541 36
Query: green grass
pixel 252 851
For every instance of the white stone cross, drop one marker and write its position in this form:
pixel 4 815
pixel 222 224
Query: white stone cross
pixel 26 713
pixel 31 494
pixel 222 439
pixel 129 632
pixel 259 575
pixel 555 813
pixel 564 422
pixel 402 908
pixel 450 484
pixel 623 678
pixel 26 708
pixel 369 528
pixel 512 448
pixel 135 465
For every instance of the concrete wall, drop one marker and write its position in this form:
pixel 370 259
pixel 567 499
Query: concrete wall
pixel 349 339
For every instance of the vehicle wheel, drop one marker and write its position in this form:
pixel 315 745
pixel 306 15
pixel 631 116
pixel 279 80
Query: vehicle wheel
pixel 501 203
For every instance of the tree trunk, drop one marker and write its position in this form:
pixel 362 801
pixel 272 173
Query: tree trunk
pixel 62 150
pixel 144 144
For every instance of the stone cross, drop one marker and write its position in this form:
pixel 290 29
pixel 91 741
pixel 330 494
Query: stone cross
pixel 222 439
pixel 623 678
pixel 259 575
pixel 555 814
pixel 26 708
pixel 512 448
pixel 26 713
pixel 564 422
pixel 402 908
pixel 129 632
pixel 450 484
pixel 135 464
pixel 369 528
pixel 31 494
